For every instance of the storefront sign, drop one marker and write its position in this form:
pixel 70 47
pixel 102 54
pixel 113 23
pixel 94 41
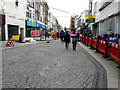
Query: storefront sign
pixel 15 37
pixel 90 18
pixel 39 25
pixel 34 33
pixel 32 24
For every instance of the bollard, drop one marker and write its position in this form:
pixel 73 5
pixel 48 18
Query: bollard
pixel 91 43
pixel 106 46
pixel 97 45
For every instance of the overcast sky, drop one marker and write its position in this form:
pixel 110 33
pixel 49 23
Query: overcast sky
pixel 72 6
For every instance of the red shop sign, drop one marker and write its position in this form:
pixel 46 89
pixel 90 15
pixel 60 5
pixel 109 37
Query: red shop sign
pixel 34 33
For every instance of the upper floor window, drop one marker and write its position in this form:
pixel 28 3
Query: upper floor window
pixel 95 8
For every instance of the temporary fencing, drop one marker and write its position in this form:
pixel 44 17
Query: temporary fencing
pixel 113 50
pixel 101 46
pixel 89 41
pixel 94 42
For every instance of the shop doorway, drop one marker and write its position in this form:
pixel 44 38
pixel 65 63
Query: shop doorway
pixel 22 31
pixel 12 30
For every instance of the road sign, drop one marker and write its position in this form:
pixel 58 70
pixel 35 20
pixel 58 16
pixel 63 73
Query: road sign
pixel 15 37
pixel 9 43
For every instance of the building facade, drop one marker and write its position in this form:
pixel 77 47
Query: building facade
pixel 20 17
pixel 107 16
pixel 2 20
pixel 15 18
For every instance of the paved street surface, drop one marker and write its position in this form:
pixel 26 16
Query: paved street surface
pixel 49 65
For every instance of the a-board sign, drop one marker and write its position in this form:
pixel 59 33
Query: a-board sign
pixel 15 37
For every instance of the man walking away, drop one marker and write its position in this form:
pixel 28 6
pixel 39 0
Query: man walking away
pixel 74 40
pixel 67 40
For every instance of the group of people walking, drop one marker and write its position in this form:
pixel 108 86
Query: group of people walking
pixel 65 37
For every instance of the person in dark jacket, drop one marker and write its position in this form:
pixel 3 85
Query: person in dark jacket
pixel 62 35
pixel 67 40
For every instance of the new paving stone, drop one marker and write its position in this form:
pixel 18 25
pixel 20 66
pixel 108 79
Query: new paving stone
pixel 47 65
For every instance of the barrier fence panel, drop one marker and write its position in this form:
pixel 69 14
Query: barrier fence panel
pixel 109 48
pixel 86 40
pixel 115 52
pixel 113 49
pixel 83 38
pixel 94 42
pixel 89 41
pixel 101 46
pixel 80 38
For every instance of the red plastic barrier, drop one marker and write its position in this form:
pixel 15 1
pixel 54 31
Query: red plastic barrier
pixel 101 46
pixel 115 52
pixel 86 40
pixel 94 41
pixel 109 48
pixel 89 41
pixel 83 38
pixel 80 38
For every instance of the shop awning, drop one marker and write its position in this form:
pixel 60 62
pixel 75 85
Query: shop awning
pixel 39 25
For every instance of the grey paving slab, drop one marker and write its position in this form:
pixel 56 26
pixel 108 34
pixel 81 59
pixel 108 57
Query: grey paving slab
pixel 47 65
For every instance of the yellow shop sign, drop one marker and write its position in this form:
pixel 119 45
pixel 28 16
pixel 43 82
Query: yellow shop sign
pixel 90 16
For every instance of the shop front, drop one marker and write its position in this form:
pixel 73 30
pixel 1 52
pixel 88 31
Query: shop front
pixel 12 30
pixel 30 26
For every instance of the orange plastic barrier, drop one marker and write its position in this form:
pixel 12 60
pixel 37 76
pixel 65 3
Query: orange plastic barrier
pixel 94 42
pixel 83 38
pixel 115 52
pixel 80 38
pixel 112 51
pixel 89 41
pixel 101 46
pixel 86 40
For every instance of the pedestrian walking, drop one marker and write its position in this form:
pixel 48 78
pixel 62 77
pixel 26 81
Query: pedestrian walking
pixel 74 40
pixel 67 40
pixel 62 34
